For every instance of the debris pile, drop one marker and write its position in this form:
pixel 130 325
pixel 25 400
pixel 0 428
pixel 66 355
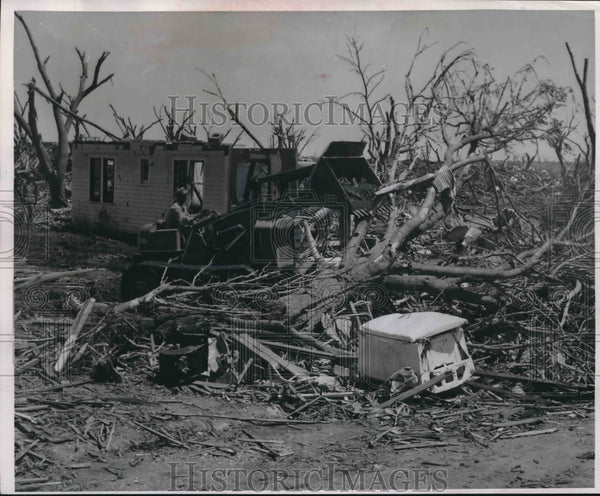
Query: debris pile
pixel 306 377
pixel 183 335
pixel 316 347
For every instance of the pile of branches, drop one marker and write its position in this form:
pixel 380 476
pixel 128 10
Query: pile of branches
pixel 538 325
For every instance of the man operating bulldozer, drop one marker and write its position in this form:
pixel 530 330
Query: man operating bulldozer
pixel 178 215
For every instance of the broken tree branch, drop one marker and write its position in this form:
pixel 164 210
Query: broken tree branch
pixel 74 115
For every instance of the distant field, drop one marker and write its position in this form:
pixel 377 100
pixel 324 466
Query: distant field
pixel 553 168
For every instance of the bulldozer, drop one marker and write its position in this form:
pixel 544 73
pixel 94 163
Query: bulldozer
pixel 286 220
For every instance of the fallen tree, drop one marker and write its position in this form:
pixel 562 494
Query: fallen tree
pixel 477 116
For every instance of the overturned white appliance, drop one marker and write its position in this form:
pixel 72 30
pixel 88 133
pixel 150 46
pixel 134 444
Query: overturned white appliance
pixel 431 343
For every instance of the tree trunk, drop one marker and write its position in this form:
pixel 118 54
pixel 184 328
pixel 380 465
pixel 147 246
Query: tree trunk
pixel 54 169
pixel 56 183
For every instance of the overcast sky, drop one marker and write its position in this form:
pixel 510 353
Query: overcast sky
pixel 280 56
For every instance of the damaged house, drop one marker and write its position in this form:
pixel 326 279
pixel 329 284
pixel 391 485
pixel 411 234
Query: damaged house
pixel 120 186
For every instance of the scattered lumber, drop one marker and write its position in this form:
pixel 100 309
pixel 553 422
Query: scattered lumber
pixel 315 374
pixel 56 387
pixel 162 435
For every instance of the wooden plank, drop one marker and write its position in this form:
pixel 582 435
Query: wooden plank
pixel 312 340
pixel 421 445
pixel 334 395
pixel 531 433
pixel 212 385
pixel 272 453
pixel 519 422
pixel 267 354
pixel 26 450
pixel 268 421
pixel 273 441
pixel 245 370
pixel 25 282
pixel 32 480
pixel 78 325
pixel 416 390
pixel 308 351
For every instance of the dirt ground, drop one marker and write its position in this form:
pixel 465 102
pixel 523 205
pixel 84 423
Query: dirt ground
pixel 329 455
pixel 137 435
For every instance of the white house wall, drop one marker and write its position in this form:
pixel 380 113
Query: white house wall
pixel 136 204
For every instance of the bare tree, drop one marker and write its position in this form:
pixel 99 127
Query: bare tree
pixel 183 127
pixel 287 133
pixel 476 115
pixel 393 129
pixel 65 111
pixel 24 152
pixel 128 129
pixel 175 129
pixel 231 109
pixel 581 79
pixel 558 137
pixel 473 113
